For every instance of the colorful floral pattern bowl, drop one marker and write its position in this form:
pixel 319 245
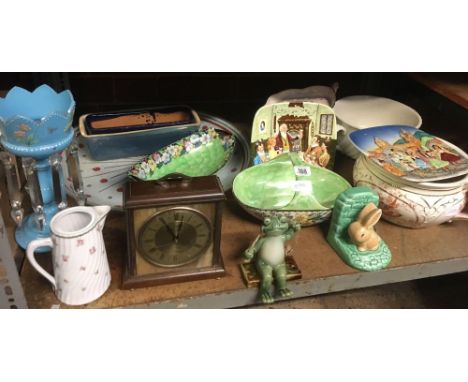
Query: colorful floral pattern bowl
pixel 199 154
pixel 104 181
pixel 288 186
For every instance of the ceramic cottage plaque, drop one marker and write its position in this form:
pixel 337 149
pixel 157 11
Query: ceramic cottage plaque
pixel 307 128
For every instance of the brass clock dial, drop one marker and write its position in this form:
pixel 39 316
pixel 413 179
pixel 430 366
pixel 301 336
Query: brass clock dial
pixel 174 237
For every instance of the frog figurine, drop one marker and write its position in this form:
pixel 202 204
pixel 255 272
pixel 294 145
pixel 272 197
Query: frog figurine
pixel 269 252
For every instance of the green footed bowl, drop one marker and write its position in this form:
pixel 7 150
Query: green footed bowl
pixel 199 154
pixel 287 186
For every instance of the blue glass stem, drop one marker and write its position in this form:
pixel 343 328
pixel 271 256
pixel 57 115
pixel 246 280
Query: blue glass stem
pixel 37 225
pixel 44 174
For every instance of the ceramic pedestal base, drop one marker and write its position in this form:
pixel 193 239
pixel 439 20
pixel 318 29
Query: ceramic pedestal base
pixel 30 231
pixel 252 278
pixel 365 261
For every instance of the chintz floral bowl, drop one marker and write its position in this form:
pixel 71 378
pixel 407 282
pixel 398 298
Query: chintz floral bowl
pixel 287 186
pixel 202 153
pixel 412 204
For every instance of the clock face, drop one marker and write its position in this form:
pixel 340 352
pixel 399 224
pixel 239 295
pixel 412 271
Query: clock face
pixel 174 237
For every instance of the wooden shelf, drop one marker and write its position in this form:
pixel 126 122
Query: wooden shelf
pixel 453 86
pixel 416 254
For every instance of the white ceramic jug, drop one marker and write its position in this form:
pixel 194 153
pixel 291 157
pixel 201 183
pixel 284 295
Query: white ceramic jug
pixel 81 270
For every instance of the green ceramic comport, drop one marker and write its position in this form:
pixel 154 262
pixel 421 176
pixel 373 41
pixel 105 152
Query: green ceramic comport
pixel 287 186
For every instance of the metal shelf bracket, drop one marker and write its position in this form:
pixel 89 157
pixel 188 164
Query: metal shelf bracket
pixel 11 291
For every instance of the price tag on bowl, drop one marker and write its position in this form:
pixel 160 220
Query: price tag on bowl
pixel 302 186
pixel 302 170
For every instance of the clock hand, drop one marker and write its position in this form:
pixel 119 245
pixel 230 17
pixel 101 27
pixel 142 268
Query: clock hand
pixel 168 228
pixel 178 226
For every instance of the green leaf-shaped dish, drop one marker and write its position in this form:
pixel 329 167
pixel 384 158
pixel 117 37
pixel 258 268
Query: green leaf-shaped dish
pixel 200 154
pixel 288 186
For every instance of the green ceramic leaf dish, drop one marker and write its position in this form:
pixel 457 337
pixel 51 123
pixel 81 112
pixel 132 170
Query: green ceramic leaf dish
pixel 200 154
pixel 288 186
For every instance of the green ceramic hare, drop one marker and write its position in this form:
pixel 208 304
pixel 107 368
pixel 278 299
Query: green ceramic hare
pixel 268 249
pixel 351 232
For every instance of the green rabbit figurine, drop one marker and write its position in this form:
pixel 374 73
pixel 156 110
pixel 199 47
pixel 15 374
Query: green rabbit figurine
pixel 352 233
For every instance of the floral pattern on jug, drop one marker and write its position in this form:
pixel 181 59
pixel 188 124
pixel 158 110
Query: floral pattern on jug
pixel 81 269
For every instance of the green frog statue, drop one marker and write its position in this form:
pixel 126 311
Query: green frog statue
pixel 268 252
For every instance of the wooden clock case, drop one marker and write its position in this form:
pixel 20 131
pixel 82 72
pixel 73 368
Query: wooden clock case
pixel 144 199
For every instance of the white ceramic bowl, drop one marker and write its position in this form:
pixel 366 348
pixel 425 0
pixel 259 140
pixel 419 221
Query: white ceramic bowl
pixel 413 205
pixel 363 111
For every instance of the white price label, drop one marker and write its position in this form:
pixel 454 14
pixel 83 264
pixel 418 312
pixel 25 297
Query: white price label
pixel 302 170
pixel 302 186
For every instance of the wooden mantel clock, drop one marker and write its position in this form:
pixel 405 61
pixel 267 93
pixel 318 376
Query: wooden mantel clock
pixel 173 230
